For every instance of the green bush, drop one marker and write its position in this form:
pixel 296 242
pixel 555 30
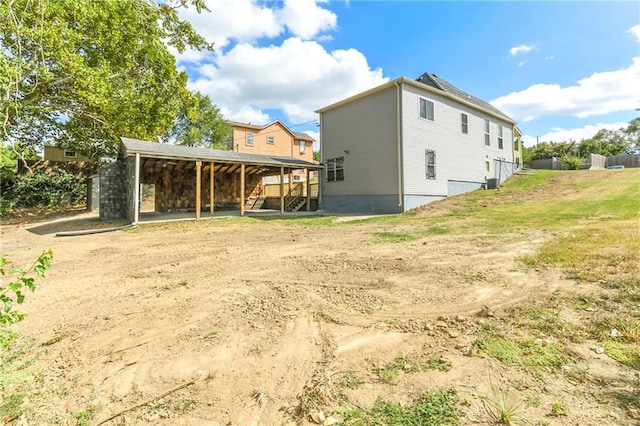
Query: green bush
pixel 42 190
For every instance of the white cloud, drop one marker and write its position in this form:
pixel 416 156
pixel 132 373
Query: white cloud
pixel 296 77
pixel 560 135
pixel 305 19
pixel 523 48
pixel 600 93
pixel 247 21
pixel 635 30
pixel 521 64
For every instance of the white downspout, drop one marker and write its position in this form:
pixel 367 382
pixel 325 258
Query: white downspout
pixel 399 139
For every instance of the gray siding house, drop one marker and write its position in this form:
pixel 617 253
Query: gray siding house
pixel 408 142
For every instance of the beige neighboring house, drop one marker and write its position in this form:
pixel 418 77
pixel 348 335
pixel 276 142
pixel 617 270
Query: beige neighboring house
pixel 58 153
pixel 273 139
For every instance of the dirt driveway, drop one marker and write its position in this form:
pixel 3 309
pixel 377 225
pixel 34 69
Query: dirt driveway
pixel 247 316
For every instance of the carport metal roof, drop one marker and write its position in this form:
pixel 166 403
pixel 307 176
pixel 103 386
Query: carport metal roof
pixel 254 162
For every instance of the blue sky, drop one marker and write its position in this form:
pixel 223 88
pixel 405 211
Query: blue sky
pixel 561 69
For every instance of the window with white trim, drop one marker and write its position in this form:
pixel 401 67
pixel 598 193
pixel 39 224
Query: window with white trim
pixel 465 123
pixel 427 109
pixel 516 145
pixel 500 140
pixel 271 140
pixel 488 165
pixel 335 169
pixel 248 139
pixel 303 147
pixel 430 163
pixel 487 134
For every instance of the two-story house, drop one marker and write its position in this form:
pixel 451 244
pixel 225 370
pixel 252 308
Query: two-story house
pixel 409 142
pixel 271 139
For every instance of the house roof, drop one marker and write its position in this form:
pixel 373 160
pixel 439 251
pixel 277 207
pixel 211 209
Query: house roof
pixel 296 135
pixel 442 84
pixel 434 84
pixel 180 152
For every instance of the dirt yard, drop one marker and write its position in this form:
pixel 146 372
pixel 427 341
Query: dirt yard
pixel 252 317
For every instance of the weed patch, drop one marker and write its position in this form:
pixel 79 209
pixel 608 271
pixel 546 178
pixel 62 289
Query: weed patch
pixel 430 409
pixel 531 356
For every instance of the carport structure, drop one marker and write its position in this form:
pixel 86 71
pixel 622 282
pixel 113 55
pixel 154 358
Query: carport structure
pixel 190 178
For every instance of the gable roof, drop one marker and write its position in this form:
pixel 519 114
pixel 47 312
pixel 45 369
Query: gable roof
pixel 181 152
pixel 296 135
pixel 442 84
pixel 433 84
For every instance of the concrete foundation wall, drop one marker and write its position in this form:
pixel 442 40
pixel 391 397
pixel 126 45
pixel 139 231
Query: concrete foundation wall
pixel 455 187
pixel 373 204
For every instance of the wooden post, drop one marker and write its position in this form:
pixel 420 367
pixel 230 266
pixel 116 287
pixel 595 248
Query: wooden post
pixel 281 190
pixel 211 189
pixel 198 188
pixel 242 189
pixel 308 190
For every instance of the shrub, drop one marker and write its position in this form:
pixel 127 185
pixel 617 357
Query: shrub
pixel 42 190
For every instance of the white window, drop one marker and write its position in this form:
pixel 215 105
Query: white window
pixel 430 161
pixel 500 140
pixel 271 140
pixel 335 169
pixel 516 145
pixel 249 139
pixel 303 147
pixel 487 134
pixel 426 109
pixel 70 154
pixel 488 164
pixel 465 123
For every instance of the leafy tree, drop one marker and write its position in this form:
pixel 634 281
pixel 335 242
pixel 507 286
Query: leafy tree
pixel 316 156
pixel 605 142
pixel 199 123
pixel 545 150
pixel 632 133
pixel 87 72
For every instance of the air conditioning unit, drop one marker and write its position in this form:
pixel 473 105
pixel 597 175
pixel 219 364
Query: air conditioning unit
pixel 493 183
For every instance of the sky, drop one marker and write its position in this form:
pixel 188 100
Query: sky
pixel 562 70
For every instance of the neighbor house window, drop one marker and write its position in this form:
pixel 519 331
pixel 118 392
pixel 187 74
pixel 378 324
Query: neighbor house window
pixel 516 145
pixel 249 139
pixel 271 140
pixel 426 109
pixel 430 161
pixel 303 147
pixel 71 154
pixel 500 136
pixel 488 165
pixel 487 135
pixel 335 169
pixel 465 123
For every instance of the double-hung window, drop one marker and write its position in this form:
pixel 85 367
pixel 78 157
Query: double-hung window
pixel 487 134
pixel 249 139
pixel 500 140
pixel 335 169
pixel 465 123
pixel 430 163
pixel 271 140
pixel 426 109
pixel 303 147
